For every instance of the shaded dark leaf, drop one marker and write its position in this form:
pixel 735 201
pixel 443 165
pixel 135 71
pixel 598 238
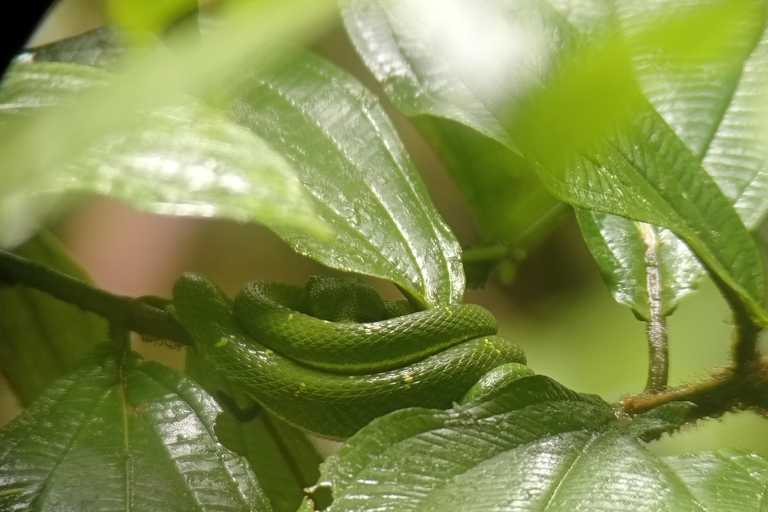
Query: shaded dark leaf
pixel 110 438
pixel 41 338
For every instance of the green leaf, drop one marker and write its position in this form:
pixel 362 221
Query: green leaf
pixel 495 181
pixel 533 446
pixel 106 438
pixel 455 61
pixel 144 81
pixel 284 458
pixel 627 252
pixel 568 102
pixel 141 16
pixel 737 155
pixel 652 177
pixel 183 159
pixel 41 338
pixel 361 180
pixel 713 103
pixel 726 480
pixel 102 47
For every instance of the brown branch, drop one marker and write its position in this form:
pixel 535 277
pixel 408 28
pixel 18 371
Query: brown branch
pixel 728 390
pixel 138 315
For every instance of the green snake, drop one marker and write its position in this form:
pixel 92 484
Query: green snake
pixel 332 356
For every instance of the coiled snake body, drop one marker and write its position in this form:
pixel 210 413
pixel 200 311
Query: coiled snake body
pixel 333 377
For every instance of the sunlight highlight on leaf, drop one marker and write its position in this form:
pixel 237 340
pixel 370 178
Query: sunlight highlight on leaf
pixel 531 446
pixel 184 158
pixel 141 437
pixel 148 80
pixel 465 30
pixel 586 128
pixel 359 177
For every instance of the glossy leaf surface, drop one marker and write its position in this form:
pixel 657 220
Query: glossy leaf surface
pixel 98 441
pixel 568 102
pixel 726 480
pixel 714 103
pixel 713 99
pixel 627 251
pixel 531 446
pixel 362 182
pixel 144 81
pixel 182 159
pixel 41 338
pixel 102 47
pixel 284 458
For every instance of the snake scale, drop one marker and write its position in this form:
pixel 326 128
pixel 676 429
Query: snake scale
pixel 332 356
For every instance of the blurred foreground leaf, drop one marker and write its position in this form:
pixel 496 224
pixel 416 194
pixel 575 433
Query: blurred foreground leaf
pixel 106 438
pixel 41 338
pixel 184 159
pixel 568 102
pixel 148 16
pixel 102 47
pixel 293 114
pixel 532 445
pixel 36 144
pixel 361 181
pixel 714 101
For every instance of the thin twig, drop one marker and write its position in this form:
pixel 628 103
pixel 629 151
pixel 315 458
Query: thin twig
pixel 728 390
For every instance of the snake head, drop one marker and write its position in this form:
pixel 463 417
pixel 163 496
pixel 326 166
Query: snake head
pixel 344 299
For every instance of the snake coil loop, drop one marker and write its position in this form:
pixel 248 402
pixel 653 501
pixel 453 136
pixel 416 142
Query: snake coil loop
pixel 333 377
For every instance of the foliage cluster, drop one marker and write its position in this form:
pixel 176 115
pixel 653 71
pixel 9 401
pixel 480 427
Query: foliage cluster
pixel 648 118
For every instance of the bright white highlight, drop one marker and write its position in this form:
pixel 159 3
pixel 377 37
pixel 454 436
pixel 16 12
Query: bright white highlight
pixel 496 56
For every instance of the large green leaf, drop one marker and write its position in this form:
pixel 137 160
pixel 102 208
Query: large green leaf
pixel 41 338
pixel 726 480
pixel 509 203
pixel 714 103
pixel 458 60
pixel 531 446
pixel 102 47
pixel 568 102
pixel 284 458
pixel 35 146
pixel 184 159
pixel 361 180
pixel 120 436
pixel 639 262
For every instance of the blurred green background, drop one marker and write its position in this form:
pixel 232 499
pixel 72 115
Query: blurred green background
pixel 557 308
